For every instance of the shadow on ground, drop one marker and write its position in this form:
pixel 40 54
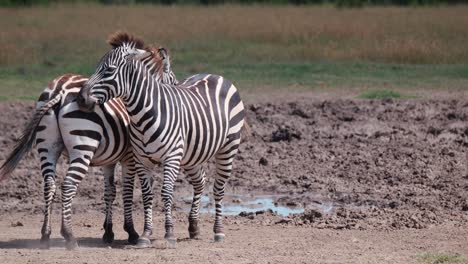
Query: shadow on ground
pixel 86 242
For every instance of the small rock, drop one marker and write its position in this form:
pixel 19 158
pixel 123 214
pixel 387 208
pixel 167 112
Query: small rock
pixel 300 113
pixel 311 215
pixel 285 133
pixel 346 118
pixel 434 131
pixel 263 161
pixel 451 116
pixel 237 200
pixel 249 215
pixel 284 221
pixel 18 223
pixel 465 207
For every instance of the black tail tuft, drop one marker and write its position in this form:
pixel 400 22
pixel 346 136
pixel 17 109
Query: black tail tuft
pixel 25 143
pixel 246 131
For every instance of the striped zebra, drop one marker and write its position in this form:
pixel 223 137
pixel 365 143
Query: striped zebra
pixel 180 127
pixel 90 139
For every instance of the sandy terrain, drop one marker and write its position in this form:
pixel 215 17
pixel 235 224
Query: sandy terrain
pixel 246 242
pixel 371 181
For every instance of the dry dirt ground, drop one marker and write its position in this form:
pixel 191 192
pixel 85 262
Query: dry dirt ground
pixel 378 181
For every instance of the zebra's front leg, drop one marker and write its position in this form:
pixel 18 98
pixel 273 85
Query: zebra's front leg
pixel 171 170
pixel 109 197
pixel 76 172
pixel 146 182
pixel 196 177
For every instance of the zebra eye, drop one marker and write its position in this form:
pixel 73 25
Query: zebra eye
pixel 111 68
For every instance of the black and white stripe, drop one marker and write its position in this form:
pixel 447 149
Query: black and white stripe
pixel 99 138
pixel 179 126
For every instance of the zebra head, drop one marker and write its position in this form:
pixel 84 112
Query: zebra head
pixel 107 81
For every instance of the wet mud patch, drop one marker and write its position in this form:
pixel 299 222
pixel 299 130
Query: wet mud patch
pixel 246 204
pixel 354 164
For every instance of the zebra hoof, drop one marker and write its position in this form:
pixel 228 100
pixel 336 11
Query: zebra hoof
pixel 108 238
pixel 133 239
pixel 194 235
pixel 171 241
pixel 219 237
pixel 71 245
pixel 143 242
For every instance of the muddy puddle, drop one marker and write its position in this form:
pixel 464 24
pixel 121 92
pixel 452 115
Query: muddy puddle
pixel 280 204
pixel 234 204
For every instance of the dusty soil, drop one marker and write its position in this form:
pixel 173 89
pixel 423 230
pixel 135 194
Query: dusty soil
pixel 381 181
pixel 246 242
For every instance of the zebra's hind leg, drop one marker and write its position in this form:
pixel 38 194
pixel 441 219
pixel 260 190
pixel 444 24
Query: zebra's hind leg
pixel 49 159
pixel 50 146
pixel 128 181
pixel 224 159
pixel 146 182
pixel 196 177
pixel 78 169
pixel 109 197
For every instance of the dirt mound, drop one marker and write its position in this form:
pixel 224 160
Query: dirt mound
pixel 354 164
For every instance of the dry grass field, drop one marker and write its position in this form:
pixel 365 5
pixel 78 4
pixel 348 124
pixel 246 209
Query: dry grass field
pixel 258 47
pixel 240 33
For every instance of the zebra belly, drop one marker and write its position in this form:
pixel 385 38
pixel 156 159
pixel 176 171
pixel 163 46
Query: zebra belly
pixel 193 152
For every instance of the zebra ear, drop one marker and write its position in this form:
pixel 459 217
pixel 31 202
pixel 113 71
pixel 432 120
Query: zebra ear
pixel 165 59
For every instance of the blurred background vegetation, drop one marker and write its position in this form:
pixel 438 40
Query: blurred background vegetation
pixel 340 3
pixel 261 47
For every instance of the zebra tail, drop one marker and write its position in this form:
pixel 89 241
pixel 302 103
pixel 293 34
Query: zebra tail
pixel 246 131
pixel 26 141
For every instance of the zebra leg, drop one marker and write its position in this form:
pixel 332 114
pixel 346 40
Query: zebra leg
pixel 171 170
pixel 196 177
pixel 48 165
pixel 109 197
pixel 49 146
pixel 79 166
pixel 224 159
pixel 128 181
pixel 146 182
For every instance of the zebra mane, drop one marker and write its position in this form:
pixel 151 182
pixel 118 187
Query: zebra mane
pixel 120 38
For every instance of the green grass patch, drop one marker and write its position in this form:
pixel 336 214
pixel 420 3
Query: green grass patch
pixel 380 94
pixel 26 82
pixel 438 258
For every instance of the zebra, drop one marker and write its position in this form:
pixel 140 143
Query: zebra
pixel 180 127
pixel 96 139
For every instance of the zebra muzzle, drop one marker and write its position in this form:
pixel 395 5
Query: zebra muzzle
pixel 85 100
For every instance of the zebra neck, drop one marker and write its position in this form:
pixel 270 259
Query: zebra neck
pixel 147 98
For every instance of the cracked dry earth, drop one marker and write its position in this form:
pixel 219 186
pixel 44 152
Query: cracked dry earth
pixel 374 181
